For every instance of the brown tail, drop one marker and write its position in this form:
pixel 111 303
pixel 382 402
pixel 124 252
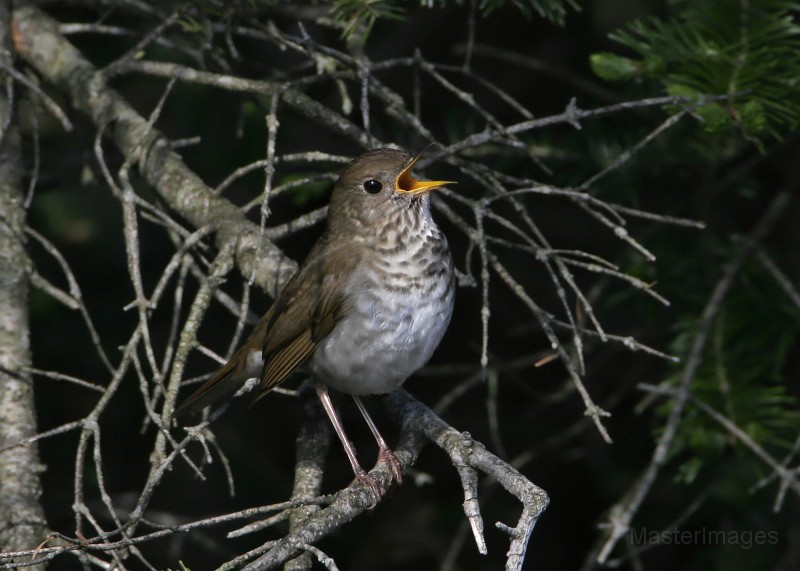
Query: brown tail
pixel 224 383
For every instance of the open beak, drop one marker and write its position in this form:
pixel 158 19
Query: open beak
pixel 407 184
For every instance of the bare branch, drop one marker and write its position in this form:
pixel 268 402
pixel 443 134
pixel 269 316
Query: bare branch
pixel 40 43
pixel 341 96
pixel 623 512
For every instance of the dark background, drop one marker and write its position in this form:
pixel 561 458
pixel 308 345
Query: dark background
pixel 538 410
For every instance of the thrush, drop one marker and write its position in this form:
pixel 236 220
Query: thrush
pixel 367 307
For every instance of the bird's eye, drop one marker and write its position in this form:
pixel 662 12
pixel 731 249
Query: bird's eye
pixel 373 186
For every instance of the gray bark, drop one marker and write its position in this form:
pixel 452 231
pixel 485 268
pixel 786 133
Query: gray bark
pixel 22 522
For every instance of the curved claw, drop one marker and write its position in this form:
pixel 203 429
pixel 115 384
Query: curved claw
pixel 372 484
pixel 393 464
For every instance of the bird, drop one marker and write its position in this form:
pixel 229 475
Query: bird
pixel 367 307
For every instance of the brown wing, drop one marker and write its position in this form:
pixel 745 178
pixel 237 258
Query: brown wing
pixel 313 304
pixel 305 311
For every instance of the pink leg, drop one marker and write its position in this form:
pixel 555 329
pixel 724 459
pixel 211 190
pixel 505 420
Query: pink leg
pixel 384 453
pixel 361 474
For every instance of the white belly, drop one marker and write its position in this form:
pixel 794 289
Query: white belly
pixel 389 333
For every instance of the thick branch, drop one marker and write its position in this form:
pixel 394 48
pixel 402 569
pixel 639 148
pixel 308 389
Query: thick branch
pixel 313 444
pixel 22 522
pixel 38 41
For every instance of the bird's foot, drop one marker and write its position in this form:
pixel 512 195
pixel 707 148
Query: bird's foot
pixel 392 463
pixel 372 484
pixel 394 467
